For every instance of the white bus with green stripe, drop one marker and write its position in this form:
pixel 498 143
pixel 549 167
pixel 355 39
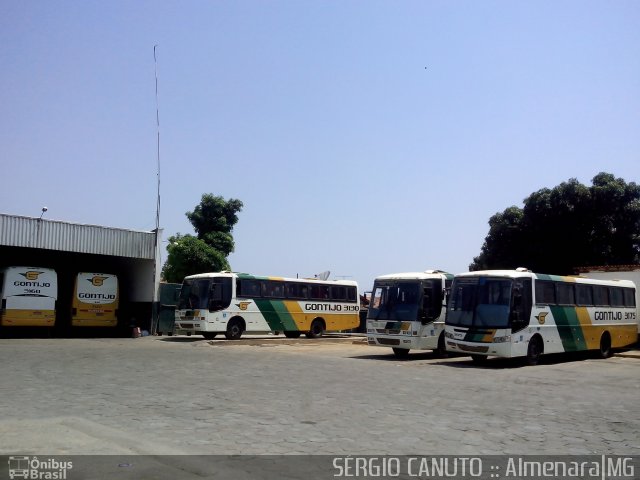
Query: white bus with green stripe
pixel 518 313
pixel 407 310
pixel 234 303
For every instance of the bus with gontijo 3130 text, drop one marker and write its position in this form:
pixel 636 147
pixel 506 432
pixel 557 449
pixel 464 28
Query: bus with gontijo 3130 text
pixel 407 310
pixel 233 303
pixel 518 313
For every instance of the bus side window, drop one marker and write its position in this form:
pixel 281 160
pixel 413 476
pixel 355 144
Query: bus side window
pixel 617 296
pixel 600 296
pixel 248 288
pixel 351 294
pixel 545 293
pixel 565 294
pixel 320 292
pixel 338 293
pixel 584 295
pixel 629 297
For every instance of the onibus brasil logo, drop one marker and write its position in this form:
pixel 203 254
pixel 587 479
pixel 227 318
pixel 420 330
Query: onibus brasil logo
pixel 33 468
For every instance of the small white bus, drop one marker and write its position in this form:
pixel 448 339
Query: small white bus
pixel 407 310
pixel 233 303
pixel 28 296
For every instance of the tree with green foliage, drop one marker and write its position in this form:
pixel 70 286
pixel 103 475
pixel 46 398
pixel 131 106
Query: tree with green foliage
pixel 568 226
pixel 213 220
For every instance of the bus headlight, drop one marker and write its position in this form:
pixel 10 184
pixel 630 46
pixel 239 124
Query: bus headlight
pixel 449 335
pixel 506 338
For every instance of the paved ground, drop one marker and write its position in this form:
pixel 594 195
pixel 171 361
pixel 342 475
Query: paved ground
pixel 179 395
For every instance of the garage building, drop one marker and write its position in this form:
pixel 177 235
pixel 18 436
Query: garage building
pixel 70 248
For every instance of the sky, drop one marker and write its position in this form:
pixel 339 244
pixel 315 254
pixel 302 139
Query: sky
pixel 363 137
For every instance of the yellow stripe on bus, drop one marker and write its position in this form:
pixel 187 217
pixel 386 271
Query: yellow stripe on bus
pixel 28 318
pixel 621 335
pixel 333 321
pixel 590 332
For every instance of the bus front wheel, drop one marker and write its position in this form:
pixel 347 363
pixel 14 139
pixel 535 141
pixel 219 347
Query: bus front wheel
pixel 479 359
pixel 401 352
pixel 605 345
pixel 234 329
pixel 316 330
pixel 534 350
pixel 441 351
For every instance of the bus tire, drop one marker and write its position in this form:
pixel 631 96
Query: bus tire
pixel 400 352
pixel 209 335
pixel 479 359
pixel 534 350
pixel 441 351
pixel 292 334
pixel 316 329
pixel 235 327
pixel 605 345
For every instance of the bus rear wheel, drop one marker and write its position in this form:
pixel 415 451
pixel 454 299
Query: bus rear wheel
pixel 234 329
pixel 534 350
pixel 316 330
pixel 291 334
pixel 605 345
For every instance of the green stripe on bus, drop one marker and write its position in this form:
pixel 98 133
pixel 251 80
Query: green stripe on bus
pixel 276 314
pixel 553 278
pixel 475 337
pixel 569 328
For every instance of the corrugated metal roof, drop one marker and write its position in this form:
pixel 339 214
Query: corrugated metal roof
pixel 33 232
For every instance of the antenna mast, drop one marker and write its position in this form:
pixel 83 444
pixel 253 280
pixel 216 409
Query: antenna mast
pixel 155 61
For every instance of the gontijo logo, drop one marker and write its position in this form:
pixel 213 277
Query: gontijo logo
pixel 97 280
pixel 541 317
pixel 243 305
pixel 31 275
pixel 32 468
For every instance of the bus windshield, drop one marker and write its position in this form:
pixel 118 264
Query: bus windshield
pixel 397 301
pixel 205 293
pixel 480 302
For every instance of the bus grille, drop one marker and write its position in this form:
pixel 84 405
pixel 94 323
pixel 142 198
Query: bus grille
pixel 389 341
pixel 387 331
pixel 473 348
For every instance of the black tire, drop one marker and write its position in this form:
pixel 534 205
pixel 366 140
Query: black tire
pixel 235 328
pixel 441 351
pixel 479 359
pixel 605 345
pixel 534 350
pixel 209 335
pixel 400 352
pixel 292 334
pixel 316 330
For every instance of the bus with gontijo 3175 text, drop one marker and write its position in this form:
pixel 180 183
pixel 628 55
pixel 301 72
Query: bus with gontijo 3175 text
pixel 232 303
pixel 518 313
